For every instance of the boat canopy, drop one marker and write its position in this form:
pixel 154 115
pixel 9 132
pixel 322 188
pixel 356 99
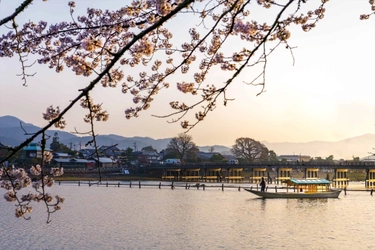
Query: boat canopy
pixel 293 182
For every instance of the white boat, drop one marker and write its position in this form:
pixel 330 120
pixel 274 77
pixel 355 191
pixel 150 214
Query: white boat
pixel 301 189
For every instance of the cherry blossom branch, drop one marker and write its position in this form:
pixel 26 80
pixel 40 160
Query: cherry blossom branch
pixel 21 57
pixel 21 8
pixel 85 91
pixel 216 93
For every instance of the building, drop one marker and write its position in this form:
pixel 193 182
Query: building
pixel 294 158
pixel 151 157
pixel 87 152
pixel 105 162
pixel 33 150
pixel 73 163
pixel 369 158
pixel 57 155
pixel 109 151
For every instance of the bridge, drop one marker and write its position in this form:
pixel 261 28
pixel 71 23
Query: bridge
pixel 271 171
pixel 268 164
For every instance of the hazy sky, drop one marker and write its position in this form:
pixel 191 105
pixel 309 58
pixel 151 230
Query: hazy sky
pixel 328 95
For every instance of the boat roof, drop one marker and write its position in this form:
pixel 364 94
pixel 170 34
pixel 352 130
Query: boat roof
pixel 307 181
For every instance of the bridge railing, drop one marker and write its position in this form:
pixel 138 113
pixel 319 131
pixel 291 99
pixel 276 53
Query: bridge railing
pixel 268 164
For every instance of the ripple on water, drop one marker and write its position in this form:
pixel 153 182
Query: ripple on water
pixel 152 218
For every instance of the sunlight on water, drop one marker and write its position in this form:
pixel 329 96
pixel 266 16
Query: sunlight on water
pixel 153 218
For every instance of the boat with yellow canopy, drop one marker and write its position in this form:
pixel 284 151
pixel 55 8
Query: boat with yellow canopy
pixel 302 188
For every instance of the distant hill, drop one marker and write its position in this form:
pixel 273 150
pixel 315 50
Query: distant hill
pixel 12 134
pixel 122 142
pixel 13 131
pixel 358 146
pixel 10 121
pixel 217 148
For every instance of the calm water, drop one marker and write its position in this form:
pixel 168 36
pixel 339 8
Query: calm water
pixel 151 218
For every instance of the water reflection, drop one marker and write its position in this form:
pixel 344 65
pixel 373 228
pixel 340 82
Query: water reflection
pixel 263 204
pixel 152 218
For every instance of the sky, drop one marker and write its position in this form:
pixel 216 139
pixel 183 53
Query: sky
pixel 327 95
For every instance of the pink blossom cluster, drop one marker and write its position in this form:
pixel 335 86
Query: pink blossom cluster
pixel 53 113
pixel 57 171
pixel 367 16
pixel 16 179
pixel 95 111
pixel 163 7
pixel 118 45
pixel 186 87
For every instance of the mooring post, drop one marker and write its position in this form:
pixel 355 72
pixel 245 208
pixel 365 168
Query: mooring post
pixel 130 184
pixel 186 186
pixel 204 186
pixel 239 188
pixel 222 187
pixel 275 189
pixel 345 190
pixel 89 184
pixel 139 184
pixel 371 191
pixel 159 185
pixel 106 184
pixel 59 183
pixel 118 184
pixel 79 183
pixel 172 185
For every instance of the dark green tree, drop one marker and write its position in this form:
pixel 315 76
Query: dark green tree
pixel 171 155
pixel 55 142
pixel 127 155
pixel 149 149
pixel 356 158
pixel 330 158
pixel 272 156
pixel 56 146
pixel 217 158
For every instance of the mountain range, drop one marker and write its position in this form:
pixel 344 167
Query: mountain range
pixel 13 132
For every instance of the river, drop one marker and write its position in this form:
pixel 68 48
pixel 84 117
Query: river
pixel 152 218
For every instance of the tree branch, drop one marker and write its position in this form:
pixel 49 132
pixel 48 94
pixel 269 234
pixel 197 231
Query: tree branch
pixel 21 8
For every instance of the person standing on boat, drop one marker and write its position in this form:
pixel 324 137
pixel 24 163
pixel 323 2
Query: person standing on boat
pixel 262 185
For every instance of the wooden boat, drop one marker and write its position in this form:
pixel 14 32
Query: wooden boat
pixel 301 189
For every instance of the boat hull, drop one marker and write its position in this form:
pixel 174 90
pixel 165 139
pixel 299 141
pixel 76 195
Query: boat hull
pixel 292 195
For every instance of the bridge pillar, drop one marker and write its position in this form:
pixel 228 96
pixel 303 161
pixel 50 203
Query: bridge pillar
pixel 283 174
pixel 340 178
pixel 257 174
pixel 212 174
pixel 311 173
pixel 370 178
pixel 171 174
pixel 234 175
pixel 191 174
